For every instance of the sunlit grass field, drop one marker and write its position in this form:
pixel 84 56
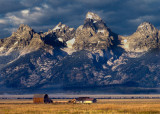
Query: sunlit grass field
pixel 103 106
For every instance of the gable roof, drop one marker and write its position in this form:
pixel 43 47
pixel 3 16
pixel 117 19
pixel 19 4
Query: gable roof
pixel 40 95
pixel 85 99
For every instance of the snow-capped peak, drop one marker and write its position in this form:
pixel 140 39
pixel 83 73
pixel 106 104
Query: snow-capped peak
pixel 91 15
pixel 59 26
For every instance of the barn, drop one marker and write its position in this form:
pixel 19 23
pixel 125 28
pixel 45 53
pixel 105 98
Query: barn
pixel 87 100
pixel 41 98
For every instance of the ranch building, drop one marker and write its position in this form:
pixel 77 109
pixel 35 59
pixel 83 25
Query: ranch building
pixel 87 100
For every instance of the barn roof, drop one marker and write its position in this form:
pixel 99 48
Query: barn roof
pixel 85 99
pixel 40 95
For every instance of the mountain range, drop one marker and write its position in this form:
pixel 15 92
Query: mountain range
pixel 91 56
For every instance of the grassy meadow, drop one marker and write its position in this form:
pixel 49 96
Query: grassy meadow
pixel 103 106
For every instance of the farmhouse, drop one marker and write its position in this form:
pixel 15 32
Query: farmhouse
pixel 41 98
pixel 86 100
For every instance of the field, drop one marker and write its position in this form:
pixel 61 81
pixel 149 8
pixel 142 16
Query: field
pixel 109 106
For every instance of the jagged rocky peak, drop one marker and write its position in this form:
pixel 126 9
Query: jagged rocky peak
pixel 24 32
pixel 23 41
pixel 59 35
pixel 23 28
pixel 146 28
pixel 59 26
pixel 145 38
pixel 93 16
pixel 94 22
pixel 64 32
pixel 93 34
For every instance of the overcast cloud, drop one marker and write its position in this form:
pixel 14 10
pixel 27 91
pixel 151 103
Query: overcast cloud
pixel 122 16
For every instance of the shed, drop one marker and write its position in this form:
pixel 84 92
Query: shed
pixel 41 98
pixel 72 101
pixel 85 100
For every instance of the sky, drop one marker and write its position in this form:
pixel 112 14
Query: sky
pixel 121 16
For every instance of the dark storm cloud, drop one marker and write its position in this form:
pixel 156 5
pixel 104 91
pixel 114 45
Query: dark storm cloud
pixel 10 6
pixel 122 16
pixel 31 3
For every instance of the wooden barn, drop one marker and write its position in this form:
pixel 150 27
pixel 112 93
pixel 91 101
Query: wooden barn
pixel 41 98
pixel 86 100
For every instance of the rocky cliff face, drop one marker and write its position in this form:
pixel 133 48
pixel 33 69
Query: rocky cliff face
pixel 25 40
pixel 145 38
pixel 90 56
pixel 59 35
pixel 94 34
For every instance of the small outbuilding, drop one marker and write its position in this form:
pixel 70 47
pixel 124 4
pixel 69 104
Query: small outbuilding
pixel 41 98
pixel 72 101
pixel 87 100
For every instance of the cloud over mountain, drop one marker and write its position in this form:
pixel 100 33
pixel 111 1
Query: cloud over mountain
pixel 122 16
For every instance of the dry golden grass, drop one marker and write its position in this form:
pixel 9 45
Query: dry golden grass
pixel 109 106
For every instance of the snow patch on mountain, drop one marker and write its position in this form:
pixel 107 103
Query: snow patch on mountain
pixel 69 51
pixel 70 43
pixel 57 28
pixel 60 39
pixel 101 31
